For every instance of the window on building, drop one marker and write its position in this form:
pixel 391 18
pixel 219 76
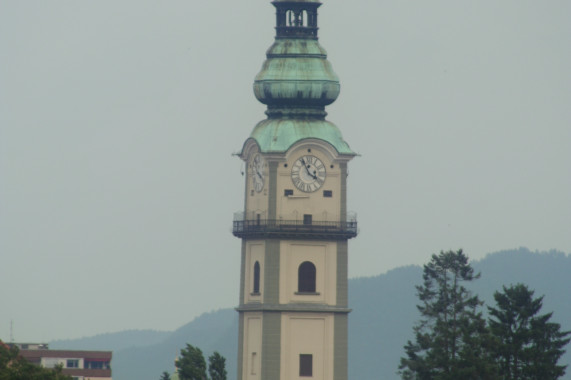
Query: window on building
pixel 288 192
pixel 306 365
pixel 307 218
pixel 257 278
pixel 96 364
pixel 253 364
pixel 72 363
pixel 306 277
pixel 327 193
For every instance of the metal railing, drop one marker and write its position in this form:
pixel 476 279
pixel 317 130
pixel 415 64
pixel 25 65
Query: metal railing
pixel 295 228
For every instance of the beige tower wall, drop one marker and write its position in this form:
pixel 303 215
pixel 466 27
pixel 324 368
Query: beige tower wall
pixel 323 255
pixel 293 207
pixel 322 208
pixel 254 252
pixel 251 366
pixel 307 333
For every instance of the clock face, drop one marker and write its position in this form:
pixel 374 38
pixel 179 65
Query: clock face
pixel 257 168
pixel 308 173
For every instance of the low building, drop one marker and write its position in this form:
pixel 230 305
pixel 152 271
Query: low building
pixel 80 365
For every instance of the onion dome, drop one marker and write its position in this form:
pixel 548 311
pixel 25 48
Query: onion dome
pixel 296 83
pixel 296 79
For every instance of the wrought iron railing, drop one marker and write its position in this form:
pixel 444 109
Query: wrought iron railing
pixel 296 31
pixel 295 228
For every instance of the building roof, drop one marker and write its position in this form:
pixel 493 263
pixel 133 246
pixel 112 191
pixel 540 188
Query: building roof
pixel 93 355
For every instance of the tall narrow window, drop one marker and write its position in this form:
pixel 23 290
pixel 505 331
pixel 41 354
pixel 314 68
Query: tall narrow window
pixel 306 277
pixel 253 364
pixel 290 18
pixel 257 278
pixel 307 218
pixel 304 19
pixel 306 365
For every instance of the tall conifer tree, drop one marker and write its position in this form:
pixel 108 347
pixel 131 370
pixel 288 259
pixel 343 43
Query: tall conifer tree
pixel 451 339
pixel 529 346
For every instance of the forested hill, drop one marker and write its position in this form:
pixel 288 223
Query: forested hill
pixel 384 311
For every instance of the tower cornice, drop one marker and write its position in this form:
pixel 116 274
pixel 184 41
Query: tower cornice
pixel 293 307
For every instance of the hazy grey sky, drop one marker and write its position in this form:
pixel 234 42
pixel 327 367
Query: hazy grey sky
pixel 118 120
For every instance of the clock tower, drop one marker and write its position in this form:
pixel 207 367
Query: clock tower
pixel 295 227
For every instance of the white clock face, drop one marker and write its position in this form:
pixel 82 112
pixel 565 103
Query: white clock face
pixel 308 173
pixel 257 168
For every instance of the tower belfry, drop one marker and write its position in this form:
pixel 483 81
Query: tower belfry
pixel 295 226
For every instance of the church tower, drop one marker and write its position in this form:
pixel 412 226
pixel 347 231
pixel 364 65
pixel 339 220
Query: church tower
pixel 295 227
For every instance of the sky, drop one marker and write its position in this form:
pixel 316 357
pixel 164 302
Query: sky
pixel 118 121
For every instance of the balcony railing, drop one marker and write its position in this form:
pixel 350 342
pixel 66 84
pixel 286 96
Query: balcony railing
pixel 295 229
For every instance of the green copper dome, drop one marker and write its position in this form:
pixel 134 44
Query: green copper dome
pixel 296 73
pixel 278 135
pixel 296 82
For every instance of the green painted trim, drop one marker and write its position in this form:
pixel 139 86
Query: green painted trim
pixel 247 171
pixel 340 344
pixel 271 291
pixel 342 273
pixel 271 345
pixel 243 272
pixel 240 345
pixel 343 195
pixel 297 307
pixel 273 189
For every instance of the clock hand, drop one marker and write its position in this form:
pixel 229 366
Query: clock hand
pixel 307 169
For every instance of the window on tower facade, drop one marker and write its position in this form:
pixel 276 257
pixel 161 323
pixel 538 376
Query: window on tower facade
pixel 306 365
pixel 256 278
pixel 290 18
pixel 302 18
pixel 306 277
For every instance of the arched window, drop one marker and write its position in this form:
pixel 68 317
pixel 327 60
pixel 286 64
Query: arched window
pixel 290 18
pixel 256 278
pixel 306 277
pixel 304 19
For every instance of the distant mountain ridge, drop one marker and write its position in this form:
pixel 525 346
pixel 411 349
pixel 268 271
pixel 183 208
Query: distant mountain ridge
pixel 113 341
pixel 384 311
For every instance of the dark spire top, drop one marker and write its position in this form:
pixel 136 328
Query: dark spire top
pixel 296 19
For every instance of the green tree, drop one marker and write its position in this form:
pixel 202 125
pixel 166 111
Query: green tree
pixel 528 345
pixel 451 339
pixel 217 366
pixel 165 376
pixel 191 364
pixel 15 367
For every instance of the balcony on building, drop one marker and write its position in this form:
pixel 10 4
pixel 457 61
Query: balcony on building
pixel 256 226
